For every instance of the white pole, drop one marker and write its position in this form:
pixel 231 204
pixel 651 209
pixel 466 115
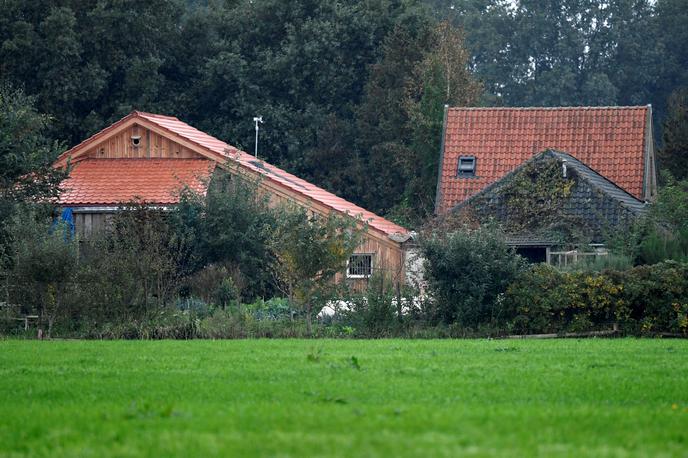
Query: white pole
pixel 257 119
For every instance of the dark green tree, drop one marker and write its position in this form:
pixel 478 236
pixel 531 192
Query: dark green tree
pixel 26 175
pixel 310 249
pixel 673 156
pixel 382 119
pixel 468 270
pixel 229 227
pixel 441 78
pixel 89 62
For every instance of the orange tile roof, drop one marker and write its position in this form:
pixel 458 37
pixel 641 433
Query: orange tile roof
pixel 114 181
pixel 609 140
pixel 223 152
pixel 273 173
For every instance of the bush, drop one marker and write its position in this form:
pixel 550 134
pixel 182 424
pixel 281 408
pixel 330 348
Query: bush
pixel 229 228
pixel 165 323
pixel 644 300
pixel 468 270
pixel 656 298
pixel 43 265
pixel 131 270
pixel 373 312
pixel 546 300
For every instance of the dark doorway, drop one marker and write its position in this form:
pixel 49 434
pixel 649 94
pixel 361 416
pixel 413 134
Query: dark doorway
pixel 534 254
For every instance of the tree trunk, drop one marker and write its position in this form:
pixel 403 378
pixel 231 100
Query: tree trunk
pixel 399 307
pixel 309 319
pixel 52 314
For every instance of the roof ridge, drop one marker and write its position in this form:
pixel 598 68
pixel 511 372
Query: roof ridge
pixel 142 159
pixel 155 115
pixel 564 108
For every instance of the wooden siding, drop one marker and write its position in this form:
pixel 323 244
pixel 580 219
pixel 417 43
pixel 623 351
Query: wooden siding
pixel 387 260
pixel 151 146
pixel 86 224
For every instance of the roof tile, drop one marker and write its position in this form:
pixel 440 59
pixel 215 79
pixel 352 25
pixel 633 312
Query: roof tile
pixel 609 139
pixel 116 181
pixel 273 173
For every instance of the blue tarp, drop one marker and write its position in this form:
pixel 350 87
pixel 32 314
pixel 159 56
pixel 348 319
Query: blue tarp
pixel 67 217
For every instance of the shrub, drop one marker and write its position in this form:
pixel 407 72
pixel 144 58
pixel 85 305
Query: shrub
pixel 227 228
pixel 310 250
pixel 468 270
pixel 644 300
pixel 546 300
pixel 43 266
pixel 655 297
pixel 373 312
pixel 165 323
pixel 132 269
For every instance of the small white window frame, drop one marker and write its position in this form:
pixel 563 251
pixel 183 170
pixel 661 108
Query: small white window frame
pixel 372 266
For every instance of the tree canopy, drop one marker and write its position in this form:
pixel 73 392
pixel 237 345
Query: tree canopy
pixel 351 92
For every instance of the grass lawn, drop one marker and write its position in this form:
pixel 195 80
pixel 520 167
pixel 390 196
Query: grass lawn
pixel 344 398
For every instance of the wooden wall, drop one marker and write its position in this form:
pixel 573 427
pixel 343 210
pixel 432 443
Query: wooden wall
pixel 151 146
pixel 86 224
pixel 388 260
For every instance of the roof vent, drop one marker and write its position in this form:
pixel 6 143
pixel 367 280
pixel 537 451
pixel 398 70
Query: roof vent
pixel 466 166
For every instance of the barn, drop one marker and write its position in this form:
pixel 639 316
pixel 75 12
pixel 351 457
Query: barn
pixel 151 158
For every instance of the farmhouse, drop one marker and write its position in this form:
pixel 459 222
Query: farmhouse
pixel 554 177
pixel 551 200
pixel 151 158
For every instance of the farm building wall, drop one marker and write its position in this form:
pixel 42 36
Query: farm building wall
pixel 88 223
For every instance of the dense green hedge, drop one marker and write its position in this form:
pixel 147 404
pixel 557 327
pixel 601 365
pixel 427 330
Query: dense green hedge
pixel 644 300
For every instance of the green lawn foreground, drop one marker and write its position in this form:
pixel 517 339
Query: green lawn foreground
pixel 344 398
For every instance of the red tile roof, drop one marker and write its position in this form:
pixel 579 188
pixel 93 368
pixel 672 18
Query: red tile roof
pixel 222 152
pixel 114 181
pixel 610 140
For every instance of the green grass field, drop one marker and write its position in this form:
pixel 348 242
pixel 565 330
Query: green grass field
pixel 344 398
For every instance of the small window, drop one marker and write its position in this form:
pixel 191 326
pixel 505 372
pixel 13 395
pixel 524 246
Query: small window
pixel 466 166
pixel 360 266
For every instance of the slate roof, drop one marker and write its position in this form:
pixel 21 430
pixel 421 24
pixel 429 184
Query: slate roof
pixel 610 140
pixel 600 183
pixel 595 203
pixel 115 181
pixel 223 152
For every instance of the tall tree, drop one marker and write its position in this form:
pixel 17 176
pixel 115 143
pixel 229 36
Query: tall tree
pixel 673 156
pixel 25 158
pixel 89 62
pixel 670 36
pixel 441 78
pixel 564 52
pixel 382 134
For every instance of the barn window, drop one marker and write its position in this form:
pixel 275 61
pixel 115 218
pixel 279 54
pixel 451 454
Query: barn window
pixel 360 266
pixel 466 166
